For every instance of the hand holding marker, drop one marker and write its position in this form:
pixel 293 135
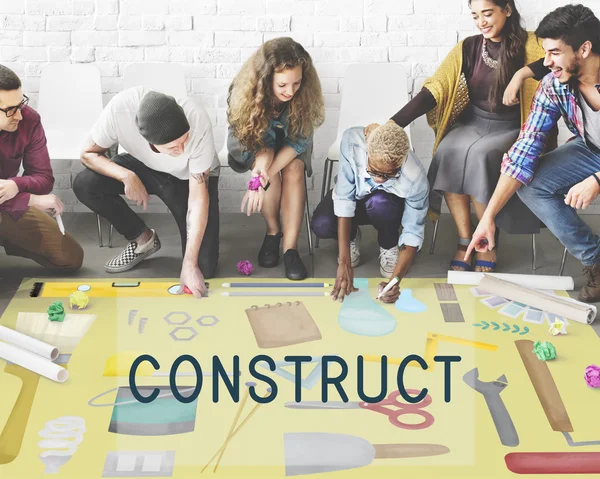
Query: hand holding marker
pixel 389 286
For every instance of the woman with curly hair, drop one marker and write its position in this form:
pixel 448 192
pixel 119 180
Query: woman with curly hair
pixel 275 104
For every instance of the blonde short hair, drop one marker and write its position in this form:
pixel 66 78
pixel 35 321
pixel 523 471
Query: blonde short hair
pixel 388 144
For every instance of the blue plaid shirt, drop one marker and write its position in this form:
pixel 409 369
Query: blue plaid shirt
pixel 551 101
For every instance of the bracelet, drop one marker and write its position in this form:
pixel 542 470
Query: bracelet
pixel 596 178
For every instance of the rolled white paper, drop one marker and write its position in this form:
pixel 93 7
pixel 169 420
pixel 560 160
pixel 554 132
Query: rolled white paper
pixel 30 344
pixel 33 362
pixel 473 278
pixel 566 307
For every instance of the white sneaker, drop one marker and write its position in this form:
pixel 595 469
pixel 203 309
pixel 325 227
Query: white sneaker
pixel 355 250
pixel 387 261
pixel 132 255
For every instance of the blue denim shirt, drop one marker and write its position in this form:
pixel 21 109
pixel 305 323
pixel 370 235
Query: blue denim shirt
pixel 243 159
pixel 354 183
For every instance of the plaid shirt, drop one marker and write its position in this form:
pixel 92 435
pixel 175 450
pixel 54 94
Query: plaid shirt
pixel 551 101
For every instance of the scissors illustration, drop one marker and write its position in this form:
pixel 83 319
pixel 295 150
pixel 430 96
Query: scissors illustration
pixel 391 407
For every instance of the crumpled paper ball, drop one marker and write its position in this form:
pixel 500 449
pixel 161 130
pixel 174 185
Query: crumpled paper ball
pixel 78 300
pixel 245 268
pixel 56 312
pixel 558 327
pixel 254 184
pixel 544 350
pixel 592 376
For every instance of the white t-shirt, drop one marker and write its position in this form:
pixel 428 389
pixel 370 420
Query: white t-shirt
pixel 116 125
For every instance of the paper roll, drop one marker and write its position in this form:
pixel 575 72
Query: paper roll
pixel 30 344
pixel 33 362
pixel 561 306
pixel 471 278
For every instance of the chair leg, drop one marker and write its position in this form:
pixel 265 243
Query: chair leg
pixel 563 262
pixel 307 216
pixel 110 236
pixel 534 250
pixel 435 231
pixel 326 168
pixel 99 231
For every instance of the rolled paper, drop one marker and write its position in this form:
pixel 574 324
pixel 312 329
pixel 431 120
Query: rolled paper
pixel 592 376
pixel 245 268
pixel 544 350
pixel 56 312
pixel 472 278
pixel 28 343
pixel 78 300
pixel 566 307
pixel 33 362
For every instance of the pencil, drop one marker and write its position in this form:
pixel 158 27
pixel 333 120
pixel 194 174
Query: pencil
pixel 276 285
pixel 276 293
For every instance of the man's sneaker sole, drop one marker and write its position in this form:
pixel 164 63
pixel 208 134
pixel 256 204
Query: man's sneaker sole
pixel 135 262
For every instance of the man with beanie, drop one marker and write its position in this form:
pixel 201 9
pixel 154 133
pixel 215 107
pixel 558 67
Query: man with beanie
pixel 170 153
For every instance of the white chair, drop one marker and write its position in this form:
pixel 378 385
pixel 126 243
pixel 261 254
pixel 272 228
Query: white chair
pixel 167 78
pixel 223 160
pixel 364 101
pixel 70 102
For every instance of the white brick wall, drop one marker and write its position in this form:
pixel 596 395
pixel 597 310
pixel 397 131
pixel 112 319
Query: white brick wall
pixel 212 37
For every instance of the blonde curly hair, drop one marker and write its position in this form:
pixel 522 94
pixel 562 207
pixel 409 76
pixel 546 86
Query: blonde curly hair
pixel 251 102
pixel 388 144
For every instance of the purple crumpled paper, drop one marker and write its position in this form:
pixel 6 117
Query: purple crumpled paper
pixel 245 267
pixel 254 184
pixel 592 376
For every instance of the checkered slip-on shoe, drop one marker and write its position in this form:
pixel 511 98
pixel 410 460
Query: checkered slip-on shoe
pixel 132 255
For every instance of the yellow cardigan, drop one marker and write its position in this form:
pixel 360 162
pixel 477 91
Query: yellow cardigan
pixel 449 88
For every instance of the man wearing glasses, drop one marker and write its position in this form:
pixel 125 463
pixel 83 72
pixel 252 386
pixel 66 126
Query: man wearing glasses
pixel 382 183
pixel 26 229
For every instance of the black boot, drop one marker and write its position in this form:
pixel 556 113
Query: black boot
pixel 268 256
pixel 294 267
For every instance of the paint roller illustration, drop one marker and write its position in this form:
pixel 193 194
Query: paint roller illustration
pixel 61 438
pixel 65 336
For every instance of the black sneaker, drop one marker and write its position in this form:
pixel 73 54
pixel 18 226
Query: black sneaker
pixel 294 267
pixel 268 256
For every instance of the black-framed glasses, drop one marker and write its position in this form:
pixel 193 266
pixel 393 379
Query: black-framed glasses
pixel 12 111
pixel 384 176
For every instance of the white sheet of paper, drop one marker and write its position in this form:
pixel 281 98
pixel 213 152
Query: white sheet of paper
pixel 126 462
pixel 61 225
pixel 152 463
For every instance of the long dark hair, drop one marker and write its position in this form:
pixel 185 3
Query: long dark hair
pixel 512 52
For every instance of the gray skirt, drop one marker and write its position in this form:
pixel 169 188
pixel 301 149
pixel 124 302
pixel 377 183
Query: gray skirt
pixel 468 161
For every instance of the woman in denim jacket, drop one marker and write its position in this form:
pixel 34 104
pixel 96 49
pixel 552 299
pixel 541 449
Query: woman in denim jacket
pixel 274 105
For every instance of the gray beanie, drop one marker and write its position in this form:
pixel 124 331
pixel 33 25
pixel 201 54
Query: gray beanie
pixel 160 119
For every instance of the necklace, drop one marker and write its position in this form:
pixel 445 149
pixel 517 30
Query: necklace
pixel 486 57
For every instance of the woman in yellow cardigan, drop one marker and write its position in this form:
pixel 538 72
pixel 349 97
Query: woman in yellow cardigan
pixel 470 104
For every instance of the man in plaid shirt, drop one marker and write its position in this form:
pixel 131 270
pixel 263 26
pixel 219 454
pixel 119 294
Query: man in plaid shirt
pixel 558 183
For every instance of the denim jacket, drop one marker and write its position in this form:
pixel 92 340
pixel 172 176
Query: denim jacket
pixel 241 160
pixel 354 183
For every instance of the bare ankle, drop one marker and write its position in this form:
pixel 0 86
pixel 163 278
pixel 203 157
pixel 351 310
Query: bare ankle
pixel 144 237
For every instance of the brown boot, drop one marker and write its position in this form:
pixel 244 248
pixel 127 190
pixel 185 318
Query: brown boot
pixel 590 293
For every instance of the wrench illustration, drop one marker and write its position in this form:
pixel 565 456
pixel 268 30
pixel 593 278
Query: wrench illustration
pixel 491 393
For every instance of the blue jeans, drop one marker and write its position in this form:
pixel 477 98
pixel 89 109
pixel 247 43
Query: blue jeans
pixel 556 173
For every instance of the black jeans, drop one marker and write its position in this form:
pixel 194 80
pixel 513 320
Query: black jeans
pixel 102 195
